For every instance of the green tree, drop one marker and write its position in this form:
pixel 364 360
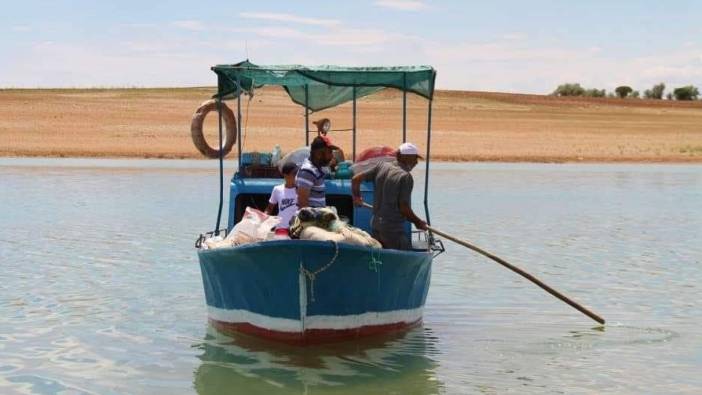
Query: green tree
pixel 635 94
pixel 569 90
pixel 688 92
pixel 623 91
pixel 656 92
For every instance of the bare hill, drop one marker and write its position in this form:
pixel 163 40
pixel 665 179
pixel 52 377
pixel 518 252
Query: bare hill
pixel 479 126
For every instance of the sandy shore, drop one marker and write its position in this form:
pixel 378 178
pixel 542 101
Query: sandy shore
pixel 467 126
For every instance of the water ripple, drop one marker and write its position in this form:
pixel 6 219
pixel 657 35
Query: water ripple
pixel 101 290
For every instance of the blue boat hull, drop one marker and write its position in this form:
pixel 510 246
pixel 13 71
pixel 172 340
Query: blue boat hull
pixel 295 291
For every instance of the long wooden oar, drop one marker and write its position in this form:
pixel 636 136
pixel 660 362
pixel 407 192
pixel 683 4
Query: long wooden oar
pixel 517 270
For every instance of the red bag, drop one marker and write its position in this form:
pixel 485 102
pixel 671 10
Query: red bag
pixel 374 152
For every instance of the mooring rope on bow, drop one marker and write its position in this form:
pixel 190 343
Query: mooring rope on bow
pixel 313 275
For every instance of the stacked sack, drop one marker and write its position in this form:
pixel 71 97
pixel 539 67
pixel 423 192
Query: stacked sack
pixel 254 226
pixel 323 224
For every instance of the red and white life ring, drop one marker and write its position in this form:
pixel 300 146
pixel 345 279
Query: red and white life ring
pixel 229 135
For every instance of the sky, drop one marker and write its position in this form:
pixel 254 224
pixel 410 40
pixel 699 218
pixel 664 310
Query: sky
pixel 501 45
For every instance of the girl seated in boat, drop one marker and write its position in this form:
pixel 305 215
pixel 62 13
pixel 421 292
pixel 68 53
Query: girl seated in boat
pixel 284 196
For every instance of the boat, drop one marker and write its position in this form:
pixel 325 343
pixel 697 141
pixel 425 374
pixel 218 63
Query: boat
pixel 305 291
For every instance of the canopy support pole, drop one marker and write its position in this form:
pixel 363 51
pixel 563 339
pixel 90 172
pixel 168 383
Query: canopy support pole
pixel 426 159
pixel 404 107
pixel 221 166
pixel 307 116
pixel 354 124
pixel 238 121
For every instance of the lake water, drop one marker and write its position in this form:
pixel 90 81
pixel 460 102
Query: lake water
pixel 100 288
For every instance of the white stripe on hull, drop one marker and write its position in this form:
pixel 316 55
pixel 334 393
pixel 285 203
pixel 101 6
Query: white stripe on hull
pixel 259 320
pixel 332 322
pixel 365 319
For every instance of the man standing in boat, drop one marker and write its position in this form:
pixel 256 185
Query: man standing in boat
pixel 392 199
pixel 310 177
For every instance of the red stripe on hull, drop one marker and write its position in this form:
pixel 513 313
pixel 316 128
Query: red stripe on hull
pixel 311 336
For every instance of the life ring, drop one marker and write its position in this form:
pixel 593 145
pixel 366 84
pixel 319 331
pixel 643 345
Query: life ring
pixel 229 129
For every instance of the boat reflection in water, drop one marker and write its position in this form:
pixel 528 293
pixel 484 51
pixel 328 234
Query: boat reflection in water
pixel 394 363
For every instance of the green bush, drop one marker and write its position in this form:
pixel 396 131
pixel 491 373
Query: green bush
pixel 569 90
pixel 686 93
pixel 595 93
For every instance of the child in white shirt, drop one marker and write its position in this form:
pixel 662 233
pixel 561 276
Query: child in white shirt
pixel 285 197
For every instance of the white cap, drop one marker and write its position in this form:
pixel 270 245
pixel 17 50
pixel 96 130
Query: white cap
pixel 408 149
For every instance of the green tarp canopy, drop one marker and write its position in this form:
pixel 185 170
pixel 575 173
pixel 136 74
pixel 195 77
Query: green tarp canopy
pixel 322 87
